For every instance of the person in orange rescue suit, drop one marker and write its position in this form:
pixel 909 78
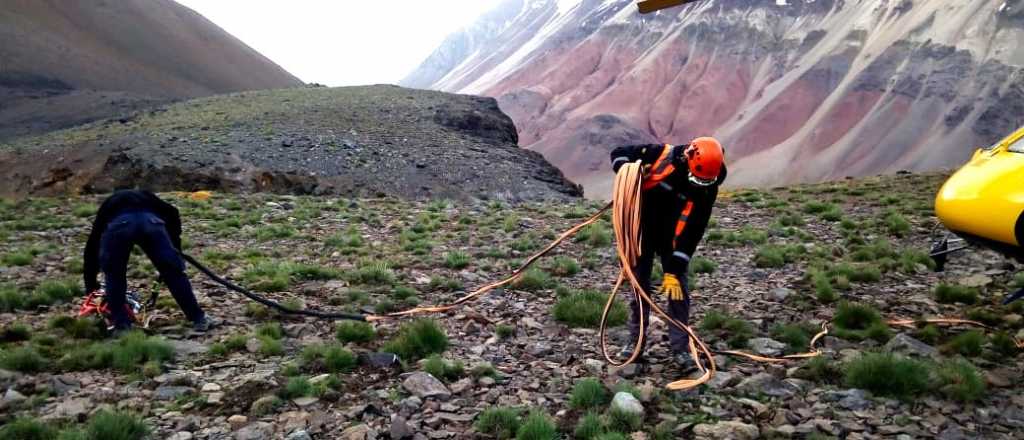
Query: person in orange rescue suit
pixel 679 189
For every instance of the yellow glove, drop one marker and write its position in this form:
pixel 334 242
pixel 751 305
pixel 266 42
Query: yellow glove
pixel 670 287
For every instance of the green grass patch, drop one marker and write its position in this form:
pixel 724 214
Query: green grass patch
pixel 622 421
pixel 444 369
pixel 273 232
pixel 498 422
pixel 533 280
pixel 537 426
pixel 960 380
pixel 18 257
pixel 110 425
pixel 887 375
pixel 595 235
pixel 968 344
pixel 775 256
pixel 950 294
pixel 504 331
pixel 564 266
pixel 584 309
pixel 418 339
pixel 733 330
pixel 589 426
pixel 270 346
pixel 355 332
pixel 456 260
pixel 588 393
pixel 857 322
pixel 23 359
pixel 370 272
pixel 823 290
pixel 330 358
pixel 15 332
pixel 1003 345
pixel 703 265
pixel 797 336
pixel 896 224
pixel 820 369
pixel 296 387
pixel 26 428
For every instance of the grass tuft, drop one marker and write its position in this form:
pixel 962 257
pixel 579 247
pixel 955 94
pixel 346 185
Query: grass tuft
pixel 417 340
pixel 949 294
pixel 588 393
pixel 537 426
pixel 734 330
pixel 589 426
pixel 968 344
pixel 858 322
pixel 533 280
pixel 960 381
pixel 355 332
pixel 584 309
pixel 499 422
pixel 115 425
pixel 25 428
pixel 444 369
pixel 887 374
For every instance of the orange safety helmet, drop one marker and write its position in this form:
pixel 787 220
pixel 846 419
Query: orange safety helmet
pixel 705 157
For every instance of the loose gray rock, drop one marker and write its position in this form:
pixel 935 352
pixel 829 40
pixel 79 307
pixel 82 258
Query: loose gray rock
pixel 400 429
pixel 303 402
pixel 382 361
pixel 852 399
pixel 71 408
pixel 903 343
pixel 767 347
pixel 12 397
pixel 781 294
pixel 423 385
pixel 255 431
pixel 299 435
pixel 625 402
pixel 358 432
pixel 723 379
pixel 171 392
pixel 62 385
pixel 767 384
pixel 182 435
pixel 730 430
pixel 187 347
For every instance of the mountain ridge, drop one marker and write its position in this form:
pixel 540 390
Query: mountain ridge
pixel 838 88
pixel 67 63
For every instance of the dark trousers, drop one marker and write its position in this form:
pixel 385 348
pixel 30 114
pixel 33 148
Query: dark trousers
pixel 148 232
pixel 678 310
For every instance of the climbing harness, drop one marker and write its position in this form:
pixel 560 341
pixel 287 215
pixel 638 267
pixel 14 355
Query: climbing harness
pixel 95 303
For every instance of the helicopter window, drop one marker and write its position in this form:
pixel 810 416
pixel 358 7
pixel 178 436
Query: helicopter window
pixel 1018 146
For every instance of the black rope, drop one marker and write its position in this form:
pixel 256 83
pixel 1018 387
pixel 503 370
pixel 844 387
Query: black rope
pixel 267 302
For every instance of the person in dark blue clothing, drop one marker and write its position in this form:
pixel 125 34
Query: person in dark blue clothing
pixel 126 219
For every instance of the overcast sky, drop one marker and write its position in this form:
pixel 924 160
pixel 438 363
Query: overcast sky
pixel 343 42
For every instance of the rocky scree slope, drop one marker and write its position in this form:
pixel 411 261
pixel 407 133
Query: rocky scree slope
pixel 803 91
pixel 259 376
pixel 375 140
pixel 67 63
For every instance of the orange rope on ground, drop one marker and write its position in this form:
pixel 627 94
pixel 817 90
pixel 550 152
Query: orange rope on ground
pixel 482 290
pixel 625 206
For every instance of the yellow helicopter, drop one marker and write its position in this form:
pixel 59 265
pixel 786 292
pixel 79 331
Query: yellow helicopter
pixel 983 203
